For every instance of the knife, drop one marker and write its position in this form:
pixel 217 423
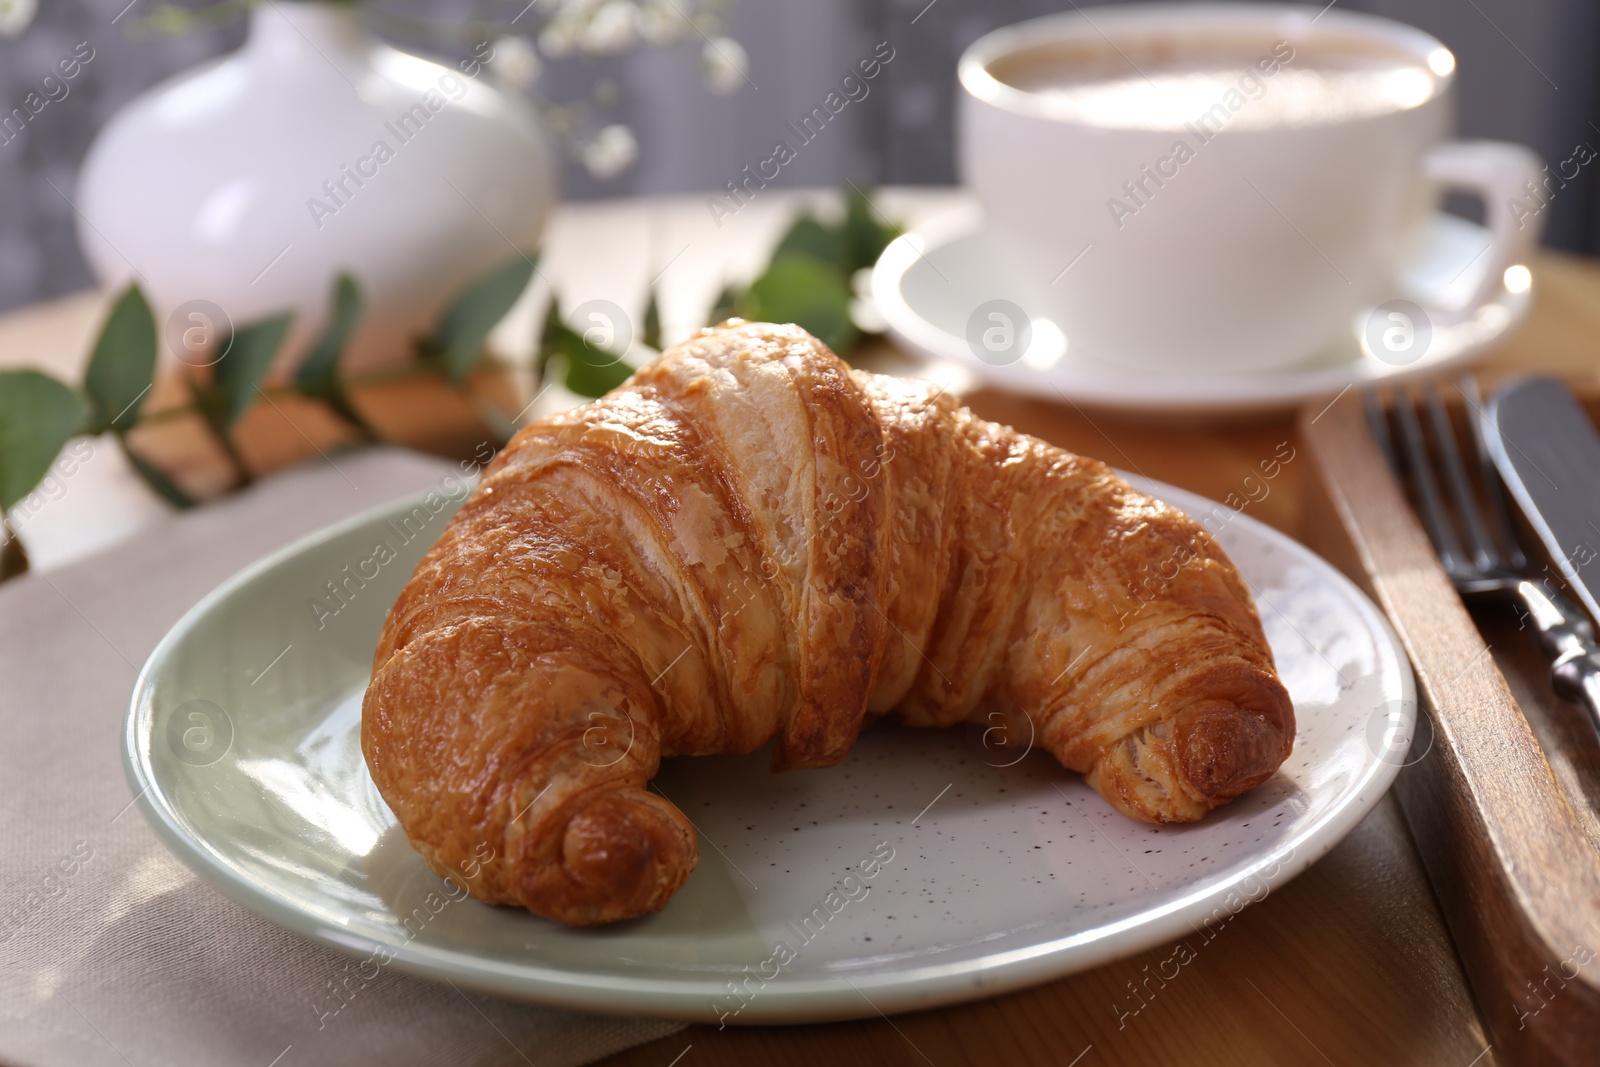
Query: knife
pixel 1548 456
pixel 1548 453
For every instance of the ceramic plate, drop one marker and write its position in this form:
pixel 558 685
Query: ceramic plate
pixel 989 870
pixel 928 283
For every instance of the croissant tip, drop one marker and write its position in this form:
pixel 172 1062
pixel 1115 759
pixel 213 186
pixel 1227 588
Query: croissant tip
pixel 1225 748
pixel 626 854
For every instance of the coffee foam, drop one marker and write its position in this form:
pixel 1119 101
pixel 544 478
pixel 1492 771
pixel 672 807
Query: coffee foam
pixel 1155 84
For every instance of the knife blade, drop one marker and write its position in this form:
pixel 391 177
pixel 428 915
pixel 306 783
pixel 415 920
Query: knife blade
pixel 1548 454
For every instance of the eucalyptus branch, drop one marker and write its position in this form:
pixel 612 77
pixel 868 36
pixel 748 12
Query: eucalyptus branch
pixel 207 407
pixel 39 414
pixel 405 372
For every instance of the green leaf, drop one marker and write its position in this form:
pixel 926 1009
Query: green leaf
pixel 549 341
pixel 247 355
pixel 155 477
pixel 550 332
pixel 465 326
pixel 810 278
pixel 564 356
pixel 318 374
pixel 38 415
pixel 800 290
pixel 590 371
pixel 652 322
pixel 123 364
pixel 596 381
pixel 865 237
pixel 808 237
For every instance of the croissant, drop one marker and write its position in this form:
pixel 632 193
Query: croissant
pixel 749 541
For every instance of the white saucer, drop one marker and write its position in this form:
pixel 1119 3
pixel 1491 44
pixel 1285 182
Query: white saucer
pixel 928 283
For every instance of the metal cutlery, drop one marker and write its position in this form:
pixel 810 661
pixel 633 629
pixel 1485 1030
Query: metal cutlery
pixel 1473 536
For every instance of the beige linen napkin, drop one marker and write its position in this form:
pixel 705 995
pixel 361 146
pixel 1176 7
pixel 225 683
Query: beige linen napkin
pixel 111 951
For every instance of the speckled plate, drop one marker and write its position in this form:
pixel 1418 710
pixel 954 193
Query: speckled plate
pixel 929 867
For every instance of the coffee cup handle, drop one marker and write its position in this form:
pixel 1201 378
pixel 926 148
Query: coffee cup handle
pixel 1499 173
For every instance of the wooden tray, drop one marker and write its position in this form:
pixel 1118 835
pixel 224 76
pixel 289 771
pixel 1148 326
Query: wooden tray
pixel 1503 805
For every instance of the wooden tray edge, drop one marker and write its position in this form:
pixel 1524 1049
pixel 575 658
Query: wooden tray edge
pixel 1516 876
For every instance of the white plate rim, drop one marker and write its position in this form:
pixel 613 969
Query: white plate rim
pixel 1102 387
pixel 794 1000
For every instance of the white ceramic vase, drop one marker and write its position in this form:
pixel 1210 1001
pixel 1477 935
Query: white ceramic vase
pixel 248 184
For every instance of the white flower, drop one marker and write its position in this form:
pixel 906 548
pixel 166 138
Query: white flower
pixel 515 62
pixel 612 29
pixel 556 40
pixel 661 22
pixel 15 16
pixel 612 151
pixel 725 64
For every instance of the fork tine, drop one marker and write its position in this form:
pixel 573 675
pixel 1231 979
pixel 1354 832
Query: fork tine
pixel 1499 514
pixel 1433 513
pixel 1378 424
pixel 1484 553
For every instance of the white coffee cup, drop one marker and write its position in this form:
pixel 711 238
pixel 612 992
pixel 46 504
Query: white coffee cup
pixel 1276 232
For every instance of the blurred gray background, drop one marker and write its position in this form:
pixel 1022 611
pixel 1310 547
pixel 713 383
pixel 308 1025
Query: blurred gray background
pixel 1528 73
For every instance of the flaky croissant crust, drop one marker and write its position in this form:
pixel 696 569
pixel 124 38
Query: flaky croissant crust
pixel 749 541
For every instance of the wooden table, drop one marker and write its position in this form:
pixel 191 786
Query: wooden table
pixel 1348 964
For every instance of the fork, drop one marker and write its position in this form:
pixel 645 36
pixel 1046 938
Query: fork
pixel 1480 571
